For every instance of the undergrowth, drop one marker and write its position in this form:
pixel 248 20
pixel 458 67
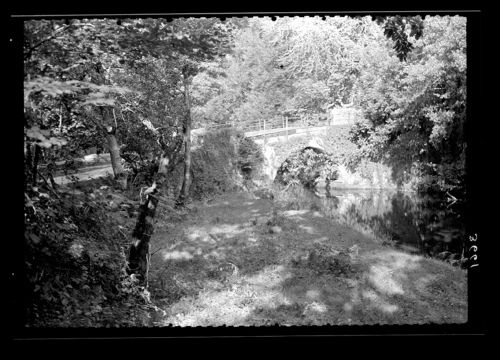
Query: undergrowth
pixel 75 262
pixel 221 161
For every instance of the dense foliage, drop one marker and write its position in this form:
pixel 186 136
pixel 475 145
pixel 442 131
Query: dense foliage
pixel 306 167
pixel 74 255
pixel 222 161
pixel 112 86
pixel 415 110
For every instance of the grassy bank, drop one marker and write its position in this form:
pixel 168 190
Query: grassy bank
pixel 242 260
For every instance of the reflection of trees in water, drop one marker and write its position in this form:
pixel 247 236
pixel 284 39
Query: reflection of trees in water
pixel 419 223
pixel 361 211
pixel 441 227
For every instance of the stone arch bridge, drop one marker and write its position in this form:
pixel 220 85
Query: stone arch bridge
pixel 276 152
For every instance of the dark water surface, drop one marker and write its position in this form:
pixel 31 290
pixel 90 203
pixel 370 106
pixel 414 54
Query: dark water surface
pixel 423 225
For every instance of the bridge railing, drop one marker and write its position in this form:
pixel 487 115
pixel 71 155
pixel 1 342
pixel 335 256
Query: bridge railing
pixel 262 127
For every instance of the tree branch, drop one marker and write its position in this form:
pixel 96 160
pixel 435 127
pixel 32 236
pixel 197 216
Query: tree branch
pixel 54 34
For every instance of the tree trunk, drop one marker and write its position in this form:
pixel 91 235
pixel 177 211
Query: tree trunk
pixel 114 152
pixel 187 147
pixel 34 169
pixel 139 249
pixel 28 164
pixel 138 257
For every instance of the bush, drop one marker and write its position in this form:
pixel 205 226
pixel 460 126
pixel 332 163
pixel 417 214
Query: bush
pixel 306 167
pixel 250 157
pixel 74 262
pixel 221 161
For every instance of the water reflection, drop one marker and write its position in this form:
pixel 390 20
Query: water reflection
pixel 415 224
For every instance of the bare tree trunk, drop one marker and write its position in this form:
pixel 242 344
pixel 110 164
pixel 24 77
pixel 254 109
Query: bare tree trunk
pixel 114 152
pixel 29 159
pixel 139 249
pixel 34 169
pixel 138 257
pixel 187 146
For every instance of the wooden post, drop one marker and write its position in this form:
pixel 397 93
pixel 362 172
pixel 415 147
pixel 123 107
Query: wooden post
pixel 264 131
pixel 187 145
pixel 286 126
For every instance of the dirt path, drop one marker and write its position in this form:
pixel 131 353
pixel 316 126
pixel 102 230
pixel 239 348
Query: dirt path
pixel 88 173
pixel 224 265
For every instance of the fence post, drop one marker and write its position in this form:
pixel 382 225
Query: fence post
pixel 286 126
pixel 264 131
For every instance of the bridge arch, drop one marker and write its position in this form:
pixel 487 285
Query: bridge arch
pixel 275 162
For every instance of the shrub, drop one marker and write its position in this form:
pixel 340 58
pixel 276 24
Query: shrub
pixel 306 167
pixel 250 157
pixel 219 160
pixel 73 262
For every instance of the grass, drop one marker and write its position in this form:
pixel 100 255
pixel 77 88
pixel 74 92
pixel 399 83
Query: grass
pixel 221 265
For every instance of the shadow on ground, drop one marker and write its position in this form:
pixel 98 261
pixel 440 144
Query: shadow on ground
pixel 241 261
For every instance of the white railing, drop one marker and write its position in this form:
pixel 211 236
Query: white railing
pixel 338 116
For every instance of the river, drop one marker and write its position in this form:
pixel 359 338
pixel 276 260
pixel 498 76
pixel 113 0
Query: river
pixel 413 223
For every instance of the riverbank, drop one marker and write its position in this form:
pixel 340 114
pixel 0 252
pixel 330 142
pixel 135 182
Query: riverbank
pixel 242 260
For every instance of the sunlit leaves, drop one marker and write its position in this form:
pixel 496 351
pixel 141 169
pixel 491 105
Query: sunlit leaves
pixel 99 99
pixel 42 138
pixel 416 108
pixel 55 88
